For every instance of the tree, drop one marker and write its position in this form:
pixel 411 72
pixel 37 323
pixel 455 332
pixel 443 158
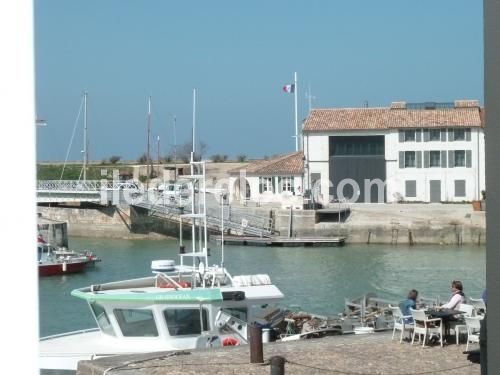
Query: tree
pixel 241 158
pixel 114 159
pixel 143 159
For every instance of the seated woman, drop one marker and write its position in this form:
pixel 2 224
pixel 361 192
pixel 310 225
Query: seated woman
pixel 457 296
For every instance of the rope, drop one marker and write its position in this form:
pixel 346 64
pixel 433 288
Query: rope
pixel 371 373
pixel 71 140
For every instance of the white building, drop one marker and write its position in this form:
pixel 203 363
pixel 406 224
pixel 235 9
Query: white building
pixel 428 152
pixel 278 180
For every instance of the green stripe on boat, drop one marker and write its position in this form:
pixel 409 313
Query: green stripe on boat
pixel 171 296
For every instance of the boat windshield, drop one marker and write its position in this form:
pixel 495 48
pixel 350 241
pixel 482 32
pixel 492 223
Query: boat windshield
pixel 136 322
pixel 102 319
pixel 186 321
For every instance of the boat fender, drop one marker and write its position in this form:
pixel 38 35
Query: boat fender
pixel 64 266
pixel 229 341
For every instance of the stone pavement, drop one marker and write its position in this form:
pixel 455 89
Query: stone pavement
pixel 350 354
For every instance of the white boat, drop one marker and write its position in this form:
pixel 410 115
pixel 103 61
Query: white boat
pixel 180 306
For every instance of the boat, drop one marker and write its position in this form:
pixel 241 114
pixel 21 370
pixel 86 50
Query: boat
pixel 178 307
pixel 60 261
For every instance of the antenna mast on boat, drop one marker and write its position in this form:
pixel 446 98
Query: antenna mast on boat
pixel 175 151
pixel 85 141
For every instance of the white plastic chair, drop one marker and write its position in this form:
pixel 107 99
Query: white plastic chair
pixel 468 313
pixel 425 326
pixel 399 322
pixel 473 327
pixel 479 305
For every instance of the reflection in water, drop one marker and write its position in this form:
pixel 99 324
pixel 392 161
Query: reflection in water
pixel 315 278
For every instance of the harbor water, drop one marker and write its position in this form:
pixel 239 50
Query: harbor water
pixel 314 279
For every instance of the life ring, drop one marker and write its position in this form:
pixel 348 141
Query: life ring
pixel 164 284
pixel 230 341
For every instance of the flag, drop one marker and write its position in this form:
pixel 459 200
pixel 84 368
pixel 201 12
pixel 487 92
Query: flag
pixel 289 89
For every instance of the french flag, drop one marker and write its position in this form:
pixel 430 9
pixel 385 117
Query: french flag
pixel 289 89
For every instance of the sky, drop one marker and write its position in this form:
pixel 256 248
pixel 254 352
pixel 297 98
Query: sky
pixel 238 55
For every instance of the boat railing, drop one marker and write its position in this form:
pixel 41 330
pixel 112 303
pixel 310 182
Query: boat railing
pixel 88 330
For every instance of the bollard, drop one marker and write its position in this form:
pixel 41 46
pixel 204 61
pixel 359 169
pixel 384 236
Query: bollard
pixel 482 347
pixel 255 341
pixel 277 365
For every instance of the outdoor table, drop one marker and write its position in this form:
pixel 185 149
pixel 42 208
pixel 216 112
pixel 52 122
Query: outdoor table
pixel 447 315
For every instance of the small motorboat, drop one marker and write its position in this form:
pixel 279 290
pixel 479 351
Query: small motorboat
pixel 59 261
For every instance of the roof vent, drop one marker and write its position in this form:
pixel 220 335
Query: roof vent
pixel 466 103
pixel 398 105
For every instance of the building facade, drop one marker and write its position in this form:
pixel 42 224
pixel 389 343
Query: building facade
pixel 278 180
pixel 420 152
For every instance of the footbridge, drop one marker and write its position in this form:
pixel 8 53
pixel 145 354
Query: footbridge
pixel 101 192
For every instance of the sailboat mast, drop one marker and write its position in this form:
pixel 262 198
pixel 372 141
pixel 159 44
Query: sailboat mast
pixel 85 157
pixel 148 157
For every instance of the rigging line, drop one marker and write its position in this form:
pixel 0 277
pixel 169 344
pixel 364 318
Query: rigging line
pixel 71 141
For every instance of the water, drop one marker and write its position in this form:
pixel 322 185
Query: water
pixel 316 279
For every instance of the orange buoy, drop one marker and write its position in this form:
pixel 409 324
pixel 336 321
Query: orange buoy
pixel 229 341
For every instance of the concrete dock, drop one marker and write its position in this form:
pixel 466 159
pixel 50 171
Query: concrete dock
pixel 349 354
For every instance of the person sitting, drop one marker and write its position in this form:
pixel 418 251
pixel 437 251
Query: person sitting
pixel 410 302
pixel 457 296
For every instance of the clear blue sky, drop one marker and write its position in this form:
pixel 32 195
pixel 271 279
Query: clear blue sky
pixel 239 55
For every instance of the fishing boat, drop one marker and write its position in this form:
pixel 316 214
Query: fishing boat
pixel 59 261
pixel 179 306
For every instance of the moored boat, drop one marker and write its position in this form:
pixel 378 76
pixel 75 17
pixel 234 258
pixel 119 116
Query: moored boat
pixel 59 261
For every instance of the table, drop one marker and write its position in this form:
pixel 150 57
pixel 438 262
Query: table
pixel 447 315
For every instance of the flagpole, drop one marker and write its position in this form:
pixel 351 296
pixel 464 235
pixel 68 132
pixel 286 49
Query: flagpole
pixel 296 122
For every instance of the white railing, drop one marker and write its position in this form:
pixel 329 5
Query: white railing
pixel 87 185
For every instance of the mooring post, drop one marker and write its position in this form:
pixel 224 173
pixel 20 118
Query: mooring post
pixel 256 352
pixel 483 357
pixel 277 365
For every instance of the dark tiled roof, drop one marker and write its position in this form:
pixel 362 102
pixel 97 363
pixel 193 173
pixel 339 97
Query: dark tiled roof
pixel 465 113
pixel 289 164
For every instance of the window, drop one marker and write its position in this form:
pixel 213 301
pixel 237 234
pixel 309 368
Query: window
pixel 435 159
pixel 460 158
pixel 409 135
pixel 286 183
pixel 435 134
pixel 267 184
pixel 102 319
pixel 238 312
pixel 185 321
pixel 459 134
pixel 459 188
pixel 411 188
pixel 409 159
pixel 136 322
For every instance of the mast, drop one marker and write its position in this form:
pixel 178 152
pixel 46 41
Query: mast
pixel 194 125
pixel 148 158
pixel 175 151
pixel 85 151
pixel 296 121
pixel 158 154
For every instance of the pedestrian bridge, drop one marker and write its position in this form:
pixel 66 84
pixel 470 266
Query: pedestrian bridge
pixel 89 191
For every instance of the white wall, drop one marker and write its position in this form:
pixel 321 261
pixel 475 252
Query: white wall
pixel 396 177
pixel 316 150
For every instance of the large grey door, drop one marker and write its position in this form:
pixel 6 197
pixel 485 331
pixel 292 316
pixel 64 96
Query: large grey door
pixel 435 190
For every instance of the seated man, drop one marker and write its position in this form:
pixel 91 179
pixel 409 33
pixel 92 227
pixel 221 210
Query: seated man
pixel 410 302
pixel 457 296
